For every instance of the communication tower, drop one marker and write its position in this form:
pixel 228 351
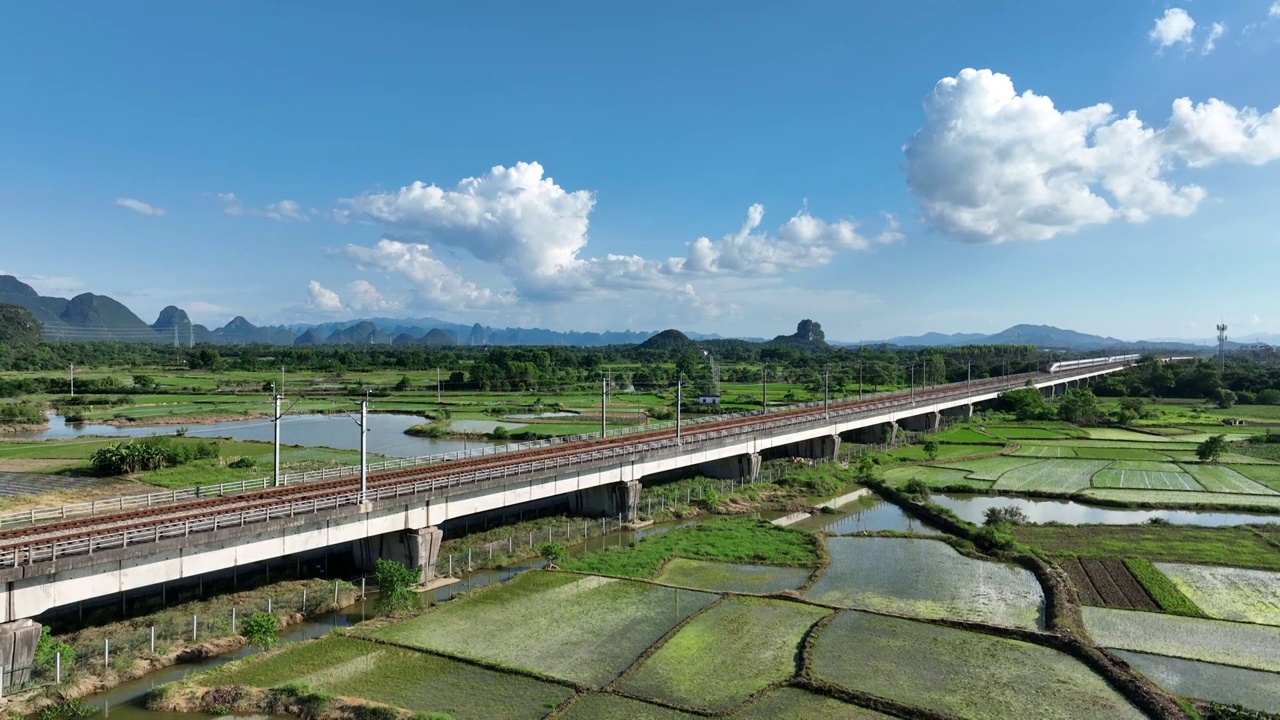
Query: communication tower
pixel 1222 347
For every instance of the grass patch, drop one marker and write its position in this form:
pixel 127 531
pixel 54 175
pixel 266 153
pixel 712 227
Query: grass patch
pixel 1268 475
pixel 937 477
pixel 1182 498
pixel 730 540
pixel 1110 453
pixel 415 681
pixel 1216 641
pixel 915 453
pixel 1161 589
pixel 1046 451
pixel 585 629
pixel 965 436
pixel 1228 593
pixel 1235 546
pixel 962 673
pixel 723 577
pixel 601 706
pixel 796 704
pixel 724 655
pixel 926 578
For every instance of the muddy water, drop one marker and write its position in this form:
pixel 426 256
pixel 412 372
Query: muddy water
pixel 868 514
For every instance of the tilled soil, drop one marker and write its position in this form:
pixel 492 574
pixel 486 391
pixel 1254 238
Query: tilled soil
pixel 1106 582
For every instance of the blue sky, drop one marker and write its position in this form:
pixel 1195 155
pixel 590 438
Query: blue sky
pixel 724 168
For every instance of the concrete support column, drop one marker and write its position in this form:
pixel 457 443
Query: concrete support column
pixel 630 497
pixel 733 468
pixel 18 650
pixel 423 549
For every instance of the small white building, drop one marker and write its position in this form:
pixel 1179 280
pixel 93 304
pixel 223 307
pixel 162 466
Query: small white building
pixel 709 400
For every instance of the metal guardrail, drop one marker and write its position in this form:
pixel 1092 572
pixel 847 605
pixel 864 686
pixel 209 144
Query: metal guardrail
pixel 49 551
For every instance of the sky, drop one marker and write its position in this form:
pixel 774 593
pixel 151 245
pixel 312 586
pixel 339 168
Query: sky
pixel 883 168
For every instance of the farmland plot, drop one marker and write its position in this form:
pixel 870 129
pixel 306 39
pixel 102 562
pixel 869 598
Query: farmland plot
pixel 1219 683
pixel 1156 444
pixel 411 680
pixel 1122 434
pixel 583 628
pixel 1107 583
pixel 990 468
pixel 725 577
pixel 797 704
pixel 1139 475
pixel 961 673
pixel 727 653
pixel 1046 451
pixel 932 476
pixel 1268 475
pixel 1215 641
pixel 1026 433
pixel 599 706
pixel 1108 453
pixel 1229 593
pixel 926 578
pixel 1220 478
pixel 966 436
pixel 1064 476
pixel 1175 498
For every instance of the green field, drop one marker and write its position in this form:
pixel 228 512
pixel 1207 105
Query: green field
pixel 1268 475
pixel 1216 641
pixel 966 436
pixel 915 453
pixel 1108 453
pixel 1025 433
pixel 1235 546
pixel 730 540
pixel 1046 451
pixel 1229 593
pixel 1178 498
pixel 796 704
pixel 1223 479
pixel 934 476
pixel 724 577
pixel 990 468
pixel 415 681
pixel 1219 683
pixel 1057 475
pixel 713 664
pixel 926 578
pixel 586 629
pixel 1141 475
pixel 961 673
pixel 601 706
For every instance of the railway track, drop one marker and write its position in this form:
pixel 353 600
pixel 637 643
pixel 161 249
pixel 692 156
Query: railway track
pixel 138 521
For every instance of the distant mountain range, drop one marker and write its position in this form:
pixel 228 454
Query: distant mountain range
pixel 99 317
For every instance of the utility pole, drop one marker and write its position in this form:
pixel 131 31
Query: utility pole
pixel 364 447
pixel 764 389
pixel 191 334
pixel 276 473
pixel 437 386
pixel 826 392
pixel 679 402
pixel 913 381
pixel 859 379
pixel 968 382
pixel 604 404
pixel 73 379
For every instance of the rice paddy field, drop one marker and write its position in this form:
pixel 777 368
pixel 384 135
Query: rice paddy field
pixel 601 706
pixel 989 468
pixel 926 578
pixel 725 577
pixel 1216 641
pixel 1052 476
pixel 1206 681
pixel 1229 593
pixel 582 628
pixel 797 704
pixel 415 681
pixel 713 664
pixel 961 673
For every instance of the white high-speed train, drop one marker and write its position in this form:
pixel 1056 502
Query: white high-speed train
pixel 1068 365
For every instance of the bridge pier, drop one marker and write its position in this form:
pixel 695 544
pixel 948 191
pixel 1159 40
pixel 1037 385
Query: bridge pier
pixel 18 650
pixel 733 468
pixel 823 447
pixel 608 500
pixel 415 548
pixel 964 411
pixel 927 422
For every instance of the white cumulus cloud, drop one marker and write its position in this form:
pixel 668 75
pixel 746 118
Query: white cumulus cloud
pixel 139 207
pixel 1275 9
pixel 323 299
pixel 803 241
pixel 363 296
pixel 1172 28
pixel 992 165
pixel 283 211
pixel 434 283
pixel 1216 31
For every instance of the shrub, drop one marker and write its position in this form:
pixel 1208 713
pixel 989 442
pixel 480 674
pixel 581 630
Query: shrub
pixel 47 651
pixel 1006 515
pixel 931 449
pixel 261 629
pixel 374 712
pixel 395 583
pixel 1212 448
pixel 551 552
pixel 65 708
pixel 242 463
pixel 917 489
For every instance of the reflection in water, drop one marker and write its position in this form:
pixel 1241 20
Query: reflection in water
pixel 973 507
pixel 870 514
pixel 386 432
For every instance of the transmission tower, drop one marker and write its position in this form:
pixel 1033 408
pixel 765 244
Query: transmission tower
pixel 1222 347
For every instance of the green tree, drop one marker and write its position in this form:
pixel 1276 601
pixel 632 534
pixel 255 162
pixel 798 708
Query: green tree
pixel 1025 404
pixel 1224 398
pixel 47 650
pixel 404 384
pixel 395 585
pixel 931 449
pixel 1079 406
pixel 1212 448
pixel 262 630
pixel 552 552
pixel 1005 515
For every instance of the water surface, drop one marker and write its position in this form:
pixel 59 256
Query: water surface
pixel 974 507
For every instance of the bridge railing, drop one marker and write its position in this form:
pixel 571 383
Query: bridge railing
pixel 134 502
pixel 42 551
